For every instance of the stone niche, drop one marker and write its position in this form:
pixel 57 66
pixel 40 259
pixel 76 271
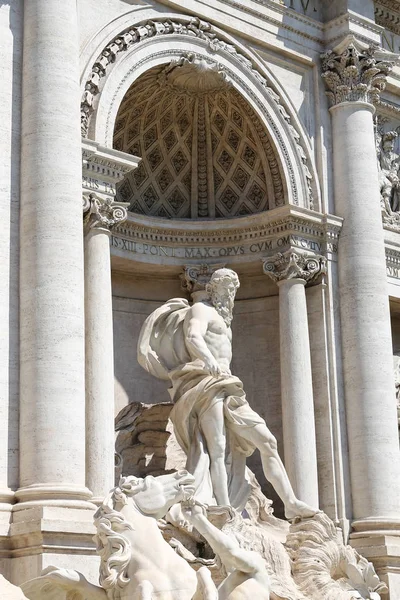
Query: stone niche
pixel 204 151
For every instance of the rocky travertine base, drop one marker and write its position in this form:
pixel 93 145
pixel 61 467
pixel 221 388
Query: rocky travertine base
pixel 146 441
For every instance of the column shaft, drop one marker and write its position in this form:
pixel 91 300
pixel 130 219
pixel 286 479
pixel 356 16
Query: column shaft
pixel 365 318
pixel 297 394
pixel 99 364
pixel 52 426
pixel 10 135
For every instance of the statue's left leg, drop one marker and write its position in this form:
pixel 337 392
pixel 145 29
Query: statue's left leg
pixel 274 470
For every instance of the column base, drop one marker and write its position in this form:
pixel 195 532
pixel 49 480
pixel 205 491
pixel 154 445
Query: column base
pixel 68 496
pixel 378 539
pixel 7 498
pixel 41 536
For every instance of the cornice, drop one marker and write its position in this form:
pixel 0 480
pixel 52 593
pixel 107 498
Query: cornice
pixel 271 12
pixel 273 222
pixel 388 107
pixel 351 22
pixel 107 163
pixel 387 18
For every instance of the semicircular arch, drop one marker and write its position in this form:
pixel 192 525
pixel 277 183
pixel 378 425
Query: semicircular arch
pixel 151 43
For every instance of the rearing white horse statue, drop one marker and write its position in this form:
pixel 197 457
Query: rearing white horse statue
pixel 138 564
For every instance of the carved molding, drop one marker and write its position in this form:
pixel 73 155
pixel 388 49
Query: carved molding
pixel 102 213
pixel 195 277
pixel 388 16
pixel 256 229
pixel 294 265
pixel 192 27
pixel 355 72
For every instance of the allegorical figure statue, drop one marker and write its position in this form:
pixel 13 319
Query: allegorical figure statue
pixel 191 347
pixel 389 164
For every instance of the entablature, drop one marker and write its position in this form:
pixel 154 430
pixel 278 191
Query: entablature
pixel 235 241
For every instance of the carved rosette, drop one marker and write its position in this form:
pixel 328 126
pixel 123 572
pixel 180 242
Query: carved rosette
pixel 195 277
pixel 354 72
pixel 102 213
pixel 294 265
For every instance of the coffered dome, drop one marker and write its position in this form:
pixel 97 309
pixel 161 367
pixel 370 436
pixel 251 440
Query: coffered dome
pixel 204 151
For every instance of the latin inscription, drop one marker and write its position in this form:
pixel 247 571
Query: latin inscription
pixel 204 252
pixel 97 185
pixel 306 7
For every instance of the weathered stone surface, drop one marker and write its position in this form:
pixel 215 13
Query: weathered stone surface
pixel 146 441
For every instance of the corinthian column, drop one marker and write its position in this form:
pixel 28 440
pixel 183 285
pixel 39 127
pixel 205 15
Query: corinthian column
pixel 291 271
pixel 355 75
pixel 52 388
pixel 100 216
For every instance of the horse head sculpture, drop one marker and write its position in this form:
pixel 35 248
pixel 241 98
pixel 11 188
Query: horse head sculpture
pixel 135 561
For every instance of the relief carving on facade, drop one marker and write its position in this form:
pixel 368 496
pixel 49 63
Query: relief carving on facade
pixel 389 180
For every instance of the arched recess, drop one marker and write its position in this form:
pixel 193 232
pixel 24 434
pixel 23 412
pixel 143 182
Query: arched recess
pixel 151 43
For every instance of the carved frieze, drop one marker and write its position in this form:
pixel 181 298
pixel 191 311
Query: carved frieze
pixel 355 72
pixel 293 264
pixel 143 239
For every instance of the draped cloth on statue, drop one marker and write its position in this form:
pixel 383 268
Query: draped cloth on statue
pixel 162 352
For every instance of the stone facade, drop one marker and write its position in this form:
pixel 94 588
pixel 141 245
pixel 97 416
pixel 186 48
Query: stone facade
pixel 262 136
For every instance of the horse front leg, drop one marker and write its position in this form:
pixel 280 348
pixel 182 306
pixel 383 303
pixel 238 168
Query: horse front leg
pixel 144 591
pixel 206 589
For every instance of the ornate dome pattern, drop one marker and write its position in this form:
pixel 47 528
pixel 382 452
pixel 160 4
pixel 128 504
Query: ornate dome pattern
pixel 204 151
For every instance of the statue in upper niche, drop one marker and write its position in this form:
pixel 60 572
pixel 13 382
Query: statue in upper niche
pixel 389 163
pixel 191 347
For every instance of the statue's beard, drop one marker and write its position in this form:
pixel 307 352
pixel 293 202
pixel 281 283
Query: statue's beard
pixel 224 307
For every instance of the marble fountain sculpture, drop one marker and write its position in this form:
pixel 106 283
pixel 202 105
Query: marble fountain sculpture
pixel 206 532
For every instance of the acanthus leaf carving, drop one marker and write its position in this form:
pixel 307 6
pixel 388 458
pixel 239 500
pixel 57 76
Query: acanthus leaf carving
pixel 355 72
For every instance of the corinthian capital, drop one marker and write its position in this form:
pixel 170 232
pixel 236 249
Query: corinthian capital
pixel 355 72
pixel 103 213
pixel 294 265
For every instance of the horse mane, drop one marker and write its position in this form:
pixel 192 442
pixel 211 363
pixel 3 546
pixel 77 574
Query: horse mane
pixel 111 544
